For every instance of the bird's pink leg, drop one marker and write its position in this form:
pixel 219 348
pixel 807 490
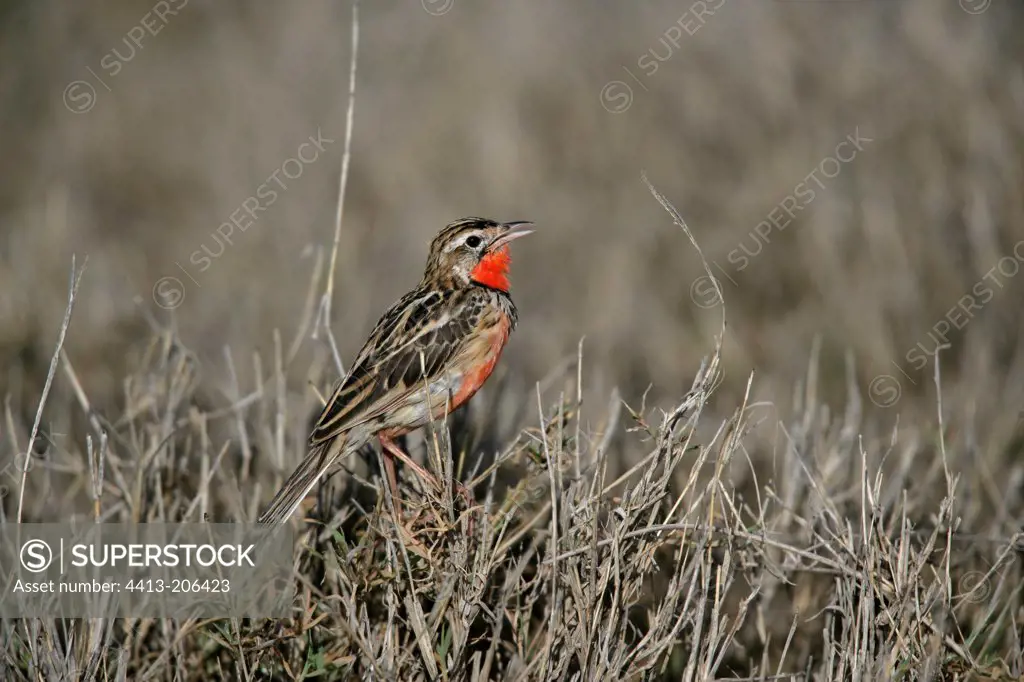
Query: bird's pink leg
pixel 389 467
pixel 391 449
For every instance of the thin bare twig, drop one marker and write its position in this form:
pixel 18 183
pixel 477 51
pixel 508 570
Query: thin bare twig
pixel 76 278
pixel 325 303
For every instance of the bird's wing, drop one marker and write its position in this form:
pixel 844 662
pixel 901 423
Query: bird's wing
pixel 414 340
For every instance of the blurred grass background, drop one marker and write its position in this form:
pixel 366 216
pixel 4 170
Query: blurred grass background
pixel 502 110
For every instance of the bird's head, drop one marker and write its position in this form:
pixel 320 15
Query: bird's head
pixel 474 251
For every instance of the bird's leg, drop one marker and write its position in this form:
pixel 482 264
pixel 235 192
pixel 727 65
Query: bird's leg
pixel 467 496
pixel 392 448
pixel 389 467
pixel 465 493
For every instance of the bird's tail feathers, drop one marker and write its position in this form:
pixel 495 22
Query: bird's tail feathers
pixel 311 469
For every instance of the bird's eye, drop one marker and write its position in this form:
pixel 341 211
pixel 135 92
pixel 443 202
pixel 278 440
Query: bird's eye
pixel 473 241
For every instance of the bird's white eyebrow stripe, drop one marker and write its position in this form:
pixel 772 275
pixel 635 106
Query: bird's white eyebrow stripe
pixel 461 239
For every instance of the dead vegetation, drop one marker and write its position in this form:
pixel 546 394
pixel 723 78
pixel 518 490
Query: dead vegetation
pixel 844 569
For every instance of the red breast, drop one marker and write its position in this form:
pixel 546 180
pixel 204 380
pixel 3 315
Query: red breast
pixel 476 374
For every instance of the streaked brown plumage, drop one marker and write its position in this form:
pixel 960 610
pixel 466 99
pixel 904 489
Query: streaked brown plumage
pixel 428 354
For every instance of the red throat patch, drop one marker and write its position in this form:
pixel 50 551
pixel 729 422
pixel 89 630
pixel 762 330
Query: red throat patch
pixel 492 270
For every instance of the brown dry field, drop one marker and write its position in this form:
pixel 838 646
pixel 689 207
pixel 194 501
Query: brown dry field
pixel 839 287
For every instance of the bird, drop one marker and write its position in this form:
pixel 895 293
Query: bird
pixel 429 353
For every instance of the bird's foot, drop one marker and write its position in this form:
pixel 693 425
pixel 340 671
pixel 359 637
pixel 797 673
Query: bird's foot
pixel 467 497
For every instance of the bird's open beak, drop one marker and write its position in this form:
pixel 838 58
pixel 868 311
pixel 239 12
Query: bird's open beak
pixel 513 230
